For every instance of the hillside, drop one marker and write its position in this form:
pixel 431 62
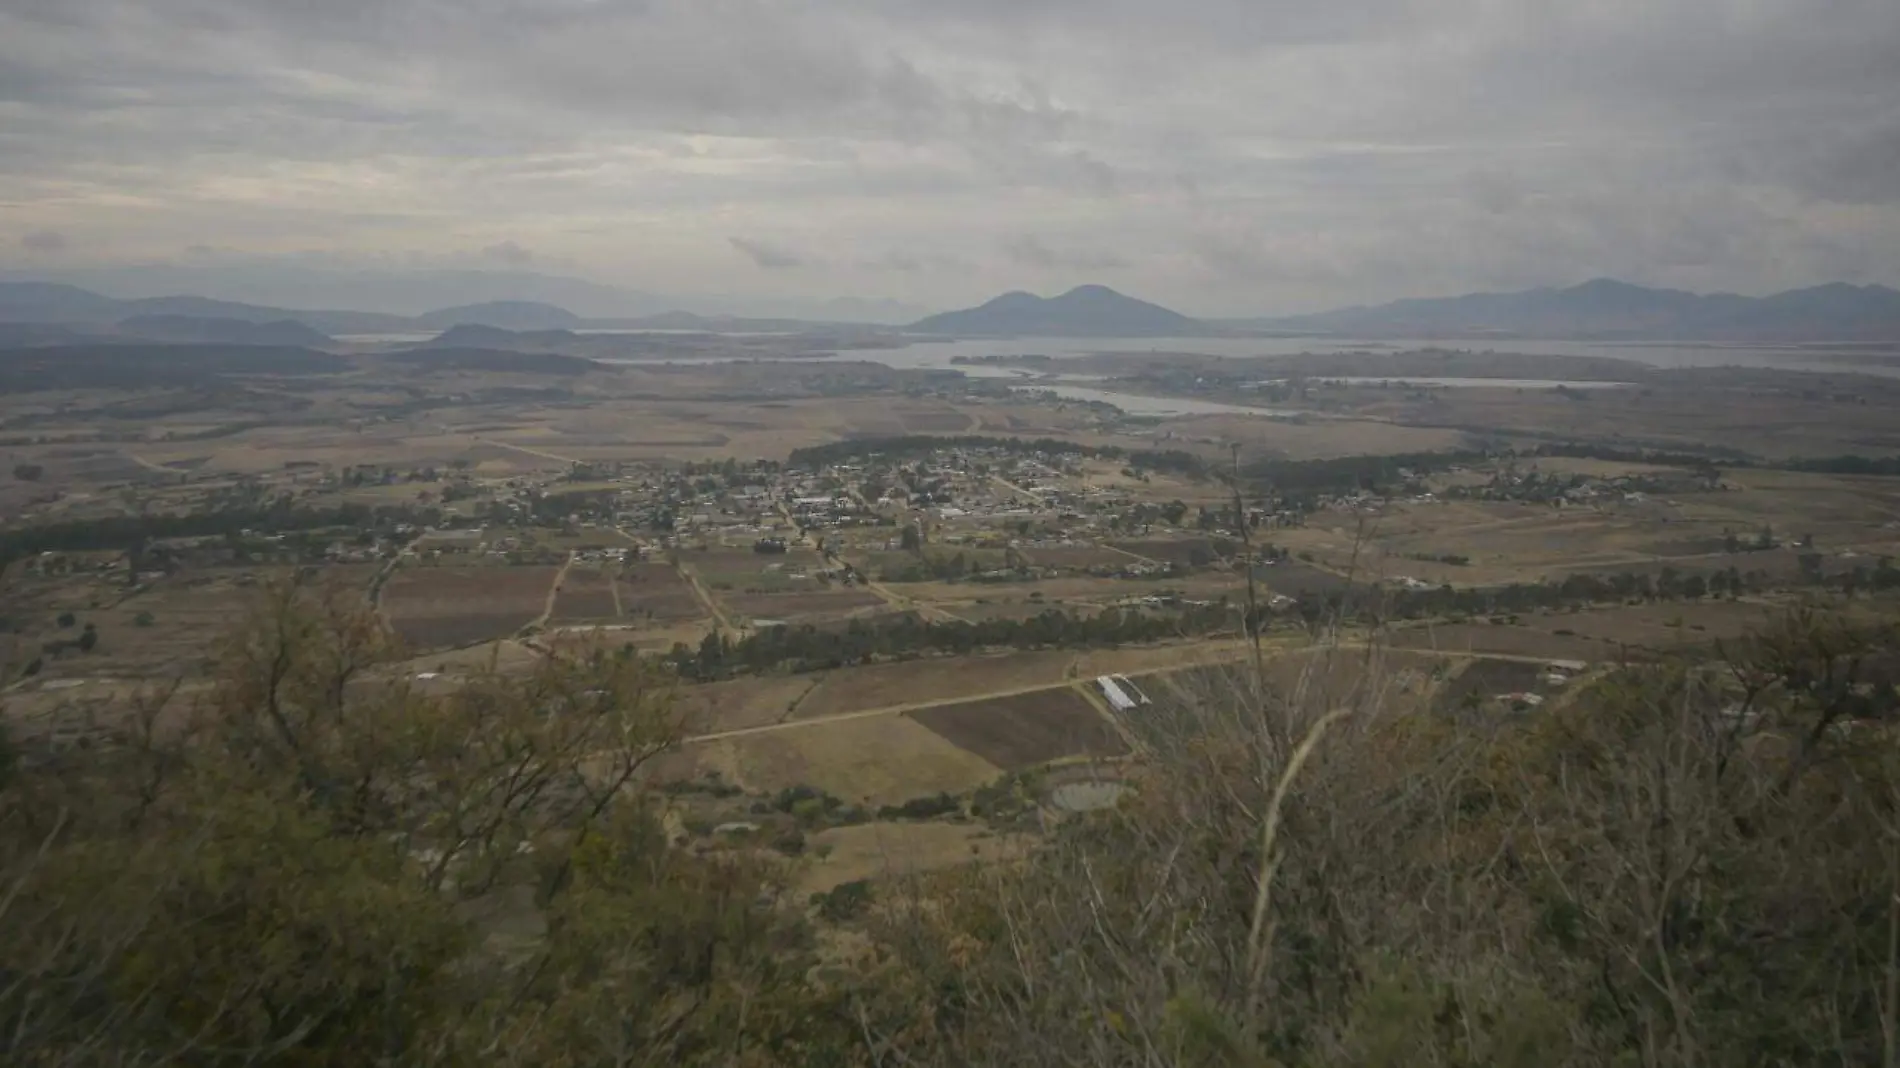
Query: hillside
pixel 1086 311
pixel 41 302
pixel 222 331
pixel 49 302
pixel 1610 309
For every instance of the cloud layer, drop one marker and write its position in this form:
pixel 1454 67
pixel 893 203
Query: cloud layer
pixel 1227 156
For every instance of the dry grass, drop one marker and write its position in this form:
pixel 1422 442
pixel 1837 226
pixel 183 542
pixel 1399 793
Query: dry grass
pixel 885 850
pixel 742 703
pixel 877 760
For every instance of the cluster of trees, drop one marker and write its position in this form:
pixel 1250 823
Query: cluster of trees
pixel 820 457
pixel 1848 465
pixel 1306 480
pixel 809 648
pixel 277 515
pixel 1372 604
pixel 316 865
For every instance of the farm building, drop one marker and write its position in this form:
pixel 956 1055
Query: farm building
pixel 1117 698
pixel 1122 695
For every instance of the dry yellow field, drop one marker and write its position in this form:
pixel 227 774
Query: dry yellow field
pixel 895 850
pixel 874 760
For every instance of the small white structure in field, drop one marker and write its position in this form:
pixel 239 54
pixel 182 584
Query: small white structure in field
pixel 1128 687
pixel 1118 699
pixel 1121 694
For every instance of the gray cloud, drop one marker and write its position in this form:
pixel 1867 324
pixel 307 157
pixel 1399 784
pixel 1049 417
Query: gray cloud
pixel 1031 251
pixel 764 256
pixel 43 241
pixel 508 253
pixel 1226 155
pixel 908 262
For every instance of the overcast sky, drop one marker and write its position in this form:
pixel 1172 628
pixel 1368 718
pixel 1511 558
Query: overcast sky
pixel 1220 156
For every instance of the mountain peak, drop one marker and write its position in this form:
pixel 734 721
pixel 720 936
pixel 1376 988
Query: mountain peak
pixel 1085 311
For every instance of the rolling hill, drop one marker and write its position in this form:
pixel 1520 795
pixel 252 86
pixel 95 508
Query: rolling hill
pixel 1086 311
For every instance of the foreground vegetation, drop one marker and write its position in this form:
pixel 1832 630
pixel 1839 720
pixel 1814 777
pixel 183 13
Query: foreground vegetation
pixel 314 863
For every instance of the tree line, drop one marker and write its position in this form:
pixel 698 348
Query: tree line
pixel 819 457
pixel 809 648
pixel 132 532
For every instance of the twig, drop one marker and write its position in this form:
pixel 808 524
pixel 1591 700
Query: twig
pixel 1257 943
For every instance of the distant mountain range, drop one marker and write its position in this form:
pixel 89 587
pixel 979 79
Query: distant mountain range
pixel 43 313
pixel 1617 310
pixel 34 314
pixel 1085 311
pixel 51 302
pixel 1602 309
pixel 408 291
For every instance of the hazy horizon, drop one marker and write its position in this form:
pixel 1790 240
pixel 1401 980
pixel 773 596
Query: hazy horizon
pixel 1219 157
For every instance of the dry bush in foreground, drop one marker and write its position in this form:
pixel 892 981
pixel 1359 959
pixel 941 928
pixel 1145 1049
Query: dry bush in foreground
pixel 1685 864
pixel 1682 864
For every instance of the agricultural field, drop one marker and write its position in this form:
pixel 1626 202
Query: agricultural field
pixel 448 606
pixel 585 593
pixel 1026 729
pixel 821 605
pixel 1077 557
pixel 870 760
pixel 741 704
pixel 933 680
pixel 1481 682
pixel 1536 637
pixel 656 593
pixel 164 629
pixel 1186 552
pixel 1297 579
